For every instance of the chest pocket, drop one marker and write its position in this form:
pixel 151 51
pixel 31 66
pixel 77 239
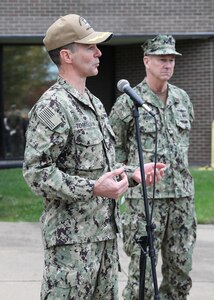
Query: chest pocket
pixel 147 132
pixel 89 149
pixel 183 126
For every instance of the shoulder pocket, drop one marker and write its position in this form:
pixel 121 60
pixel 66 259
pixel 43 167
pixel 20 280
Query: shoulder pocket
pixel 182 118
pixel 183 123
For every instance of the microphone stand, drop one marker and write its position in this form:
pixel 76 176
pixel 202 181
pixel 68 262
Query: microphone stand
pixel 145 240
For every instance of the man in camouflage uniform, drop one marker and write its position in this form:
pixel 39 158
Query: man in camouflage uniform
pixel 70 161
pixel 174 212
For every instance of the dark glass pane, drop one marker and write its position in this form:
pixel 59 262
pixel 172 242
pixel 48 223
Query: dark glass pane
pixel 27 73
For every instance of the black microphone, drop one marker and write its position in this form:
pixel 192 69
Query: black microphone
pixel 124 87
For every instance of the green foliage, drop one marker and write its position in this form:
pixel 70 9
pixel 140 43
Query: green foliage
pixel 18 203
pixel 26 73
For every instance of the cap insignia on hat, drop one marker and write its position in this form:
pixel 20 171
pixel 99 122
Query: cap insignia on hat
pixel 169 41
pixel 82 20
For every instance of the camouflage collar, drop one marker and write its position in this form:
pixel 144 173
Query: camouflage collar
pixel 84 98
pixel 147 95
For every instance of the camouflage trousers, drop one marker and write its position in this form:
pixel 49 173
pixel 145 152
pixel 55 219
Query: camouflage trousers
pixel 174 236
pixel 81 271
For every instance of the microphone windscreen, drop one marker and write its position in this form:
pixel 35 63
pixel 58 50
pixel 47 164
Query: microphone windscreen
pixel 122 84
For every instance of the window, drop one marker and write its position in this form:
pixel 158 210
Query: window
pixel 27 72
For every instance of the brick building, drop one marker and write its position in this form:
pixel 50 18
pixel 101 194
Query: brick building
pixel 22 27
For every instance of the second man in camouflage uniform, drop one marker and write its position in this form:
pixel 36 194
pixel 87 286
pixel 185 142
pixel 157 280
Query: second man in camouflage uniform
pixel 174 212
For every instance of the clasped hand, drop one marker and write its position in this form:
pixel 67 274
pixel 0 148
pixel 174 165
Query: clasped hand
pixel 113 184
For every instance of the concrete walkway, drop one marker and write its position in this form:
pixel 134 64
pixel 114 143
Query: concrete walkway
pixel 21 263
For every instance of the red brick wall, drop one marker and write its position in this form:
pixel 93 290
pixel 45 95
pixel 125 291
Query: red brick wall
pixel 133 16
pixel 195 73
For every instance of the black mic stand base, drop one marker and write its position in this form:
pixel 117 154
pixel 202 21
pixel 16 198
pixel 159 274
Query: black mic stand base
pixel 144 244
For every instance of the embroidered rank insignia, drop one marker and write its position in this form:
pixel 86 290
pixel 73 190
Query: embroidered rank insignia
pixel 49 118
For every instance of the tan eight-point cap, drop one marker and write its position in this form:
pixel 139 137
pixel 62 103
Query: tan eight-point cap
pixel 72 28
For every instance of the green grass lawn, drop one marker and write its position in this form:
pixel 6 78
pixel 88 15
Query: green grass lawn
pixel 204 195
pixel 18 203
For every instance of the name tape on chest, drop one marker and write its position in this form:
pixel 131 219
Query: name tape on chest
pixel 49 118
